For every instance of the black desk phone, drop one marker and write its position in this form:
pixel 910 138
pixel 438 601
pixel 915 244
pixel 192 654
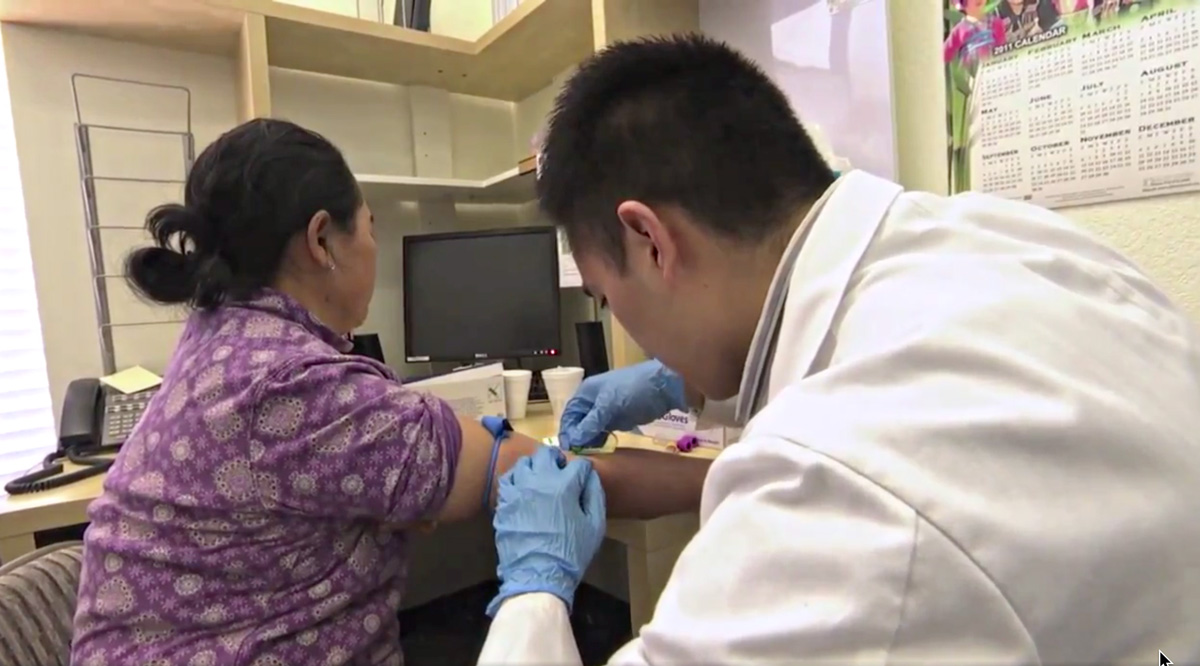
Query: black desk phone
pixel 95 421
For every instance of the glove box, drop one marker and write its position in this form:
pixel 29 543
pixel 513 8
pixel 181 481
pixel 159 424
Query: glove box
pixel 676 424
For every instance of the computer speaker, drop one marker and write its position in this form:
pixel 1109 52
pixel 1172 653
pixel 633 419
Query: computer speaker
pixel 593 350
pixel 367 344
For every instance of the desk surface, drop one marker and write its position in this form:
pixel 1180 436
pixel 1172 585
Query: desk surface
pixel 24 514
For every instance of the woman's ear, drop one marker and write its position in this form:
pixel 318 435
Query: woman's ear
pixel 317 239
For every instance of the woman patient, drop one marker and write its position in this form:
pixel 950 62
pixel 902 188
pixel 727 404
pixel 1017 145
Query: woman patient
pixel 258 513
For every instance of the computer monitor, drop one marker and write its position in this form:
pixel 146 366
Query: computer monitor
pixel 481 295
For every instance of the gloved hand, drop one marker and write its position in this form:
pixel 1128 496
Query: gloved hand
pixel 620 399
pixel 549 524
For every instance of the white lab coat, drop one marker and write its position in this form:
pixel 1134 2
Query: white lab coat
pixel 975 439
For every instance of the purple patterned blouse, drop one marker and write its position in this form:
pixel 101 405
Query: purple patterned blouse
pixel 252 517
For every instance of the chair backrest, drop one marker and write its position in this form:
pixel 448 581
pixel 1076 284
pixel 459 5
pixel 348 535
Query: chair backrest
pixel 37 606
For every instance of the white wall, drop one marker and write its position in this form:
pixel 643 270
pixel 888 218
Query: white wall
pixel 40 65
pixel 834 68
pixel 1162 234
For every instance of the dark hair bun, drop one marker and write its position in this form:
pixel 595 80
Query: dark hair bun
pixel 247 196
pixel 182 267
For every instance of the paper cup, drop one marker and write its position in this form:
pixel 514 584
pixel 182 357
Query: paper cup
pixel 561 384
pixel 516 392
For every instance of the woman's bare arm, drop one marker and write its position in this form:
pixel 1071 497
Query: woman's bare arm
pixel 647 484
pixel 466 497
pixel 638 484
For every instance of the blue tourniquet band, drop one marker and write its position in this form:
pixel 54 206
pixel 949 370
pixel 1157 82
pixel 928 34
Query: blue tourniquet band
pixel 499 428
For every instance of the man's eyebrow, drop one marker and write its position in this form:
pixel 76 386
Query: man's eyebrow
pixel 587 292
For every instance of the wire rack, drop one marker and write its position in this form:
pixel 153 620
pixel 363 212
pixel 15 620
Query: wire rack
pixel 91 213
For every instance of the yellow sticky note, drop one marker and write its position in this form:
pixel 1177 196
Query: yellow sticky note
pixel 132 380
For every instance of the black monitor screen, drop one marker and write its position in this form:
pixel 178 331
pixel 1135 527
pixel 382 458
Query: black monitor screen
pixel 480 295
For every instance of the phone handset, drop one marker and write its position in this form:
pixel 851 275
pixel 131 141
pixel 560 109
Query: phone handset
pixel 80 434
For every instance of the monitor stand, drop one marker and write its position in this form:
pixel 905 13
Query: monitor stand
pixel 470 366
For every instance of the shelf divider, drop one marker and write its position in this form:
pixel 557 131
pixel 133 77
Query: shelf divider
pixel 510 187
pixel 253 72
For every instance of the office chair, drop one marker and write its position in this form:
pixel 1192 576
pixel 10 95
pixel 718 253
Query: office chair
pixel 37 606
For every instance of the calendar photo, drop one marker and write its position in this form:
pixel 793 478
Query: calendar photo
pixel 1071 102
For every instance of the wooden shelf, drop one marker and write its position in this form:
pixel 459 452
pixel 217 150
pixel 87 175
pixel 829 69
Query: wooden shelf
pixel 510 187
pixel 519 56
pixel 190 25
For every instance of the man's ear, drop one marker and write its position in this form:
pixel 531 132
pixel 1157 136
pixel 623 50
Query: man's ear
pixel 648 237
pixel 317 239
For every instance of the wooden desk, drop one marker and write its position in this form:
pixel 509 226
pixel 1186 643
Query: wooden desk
pixel 23 515
pixel 651 546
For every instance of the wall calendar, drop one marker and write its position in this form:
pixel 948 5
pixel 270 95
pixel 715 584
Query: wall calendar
pixel 1070 102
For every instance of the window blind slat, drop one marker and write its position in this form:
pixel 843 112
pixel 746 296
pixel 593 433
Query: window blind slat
pixel 28 369
pixel 29 423
pixel 26 416
pixel 23 403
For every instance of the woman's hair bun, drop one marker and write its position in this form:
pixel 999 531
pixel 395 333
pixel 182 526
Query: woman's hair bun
pixel 182 267
pixel 247 195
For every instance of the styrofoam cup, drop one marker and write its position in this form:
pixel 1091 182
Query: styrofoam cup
pixel 516 392
pixel 561 384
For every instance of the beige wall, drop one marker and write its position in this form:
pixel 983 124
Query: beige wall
pixel 40 65
pixel 1162 234
pixel 367 9
pixel 372 123
pixel 464 19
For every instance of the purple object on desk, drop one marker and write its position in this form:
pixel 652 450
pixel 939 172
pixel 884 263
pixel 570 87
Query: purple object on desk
pixel 687 443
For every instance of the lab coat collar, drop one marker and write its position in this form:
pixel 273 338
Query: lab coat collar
pixel 764 332
pixel 809 283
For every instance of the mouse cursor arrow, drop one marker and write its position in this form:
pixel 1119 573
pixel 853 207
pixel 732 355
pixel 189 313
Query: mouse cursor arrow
pixel 1162 659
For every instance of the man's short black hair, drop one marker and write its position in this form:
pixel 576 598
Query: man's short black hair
pixel 682 120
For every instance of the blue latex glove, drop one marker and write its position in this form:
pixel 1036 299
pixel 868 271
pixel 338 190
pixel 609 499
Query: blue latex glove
pixel 549 524
pixel 620 399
